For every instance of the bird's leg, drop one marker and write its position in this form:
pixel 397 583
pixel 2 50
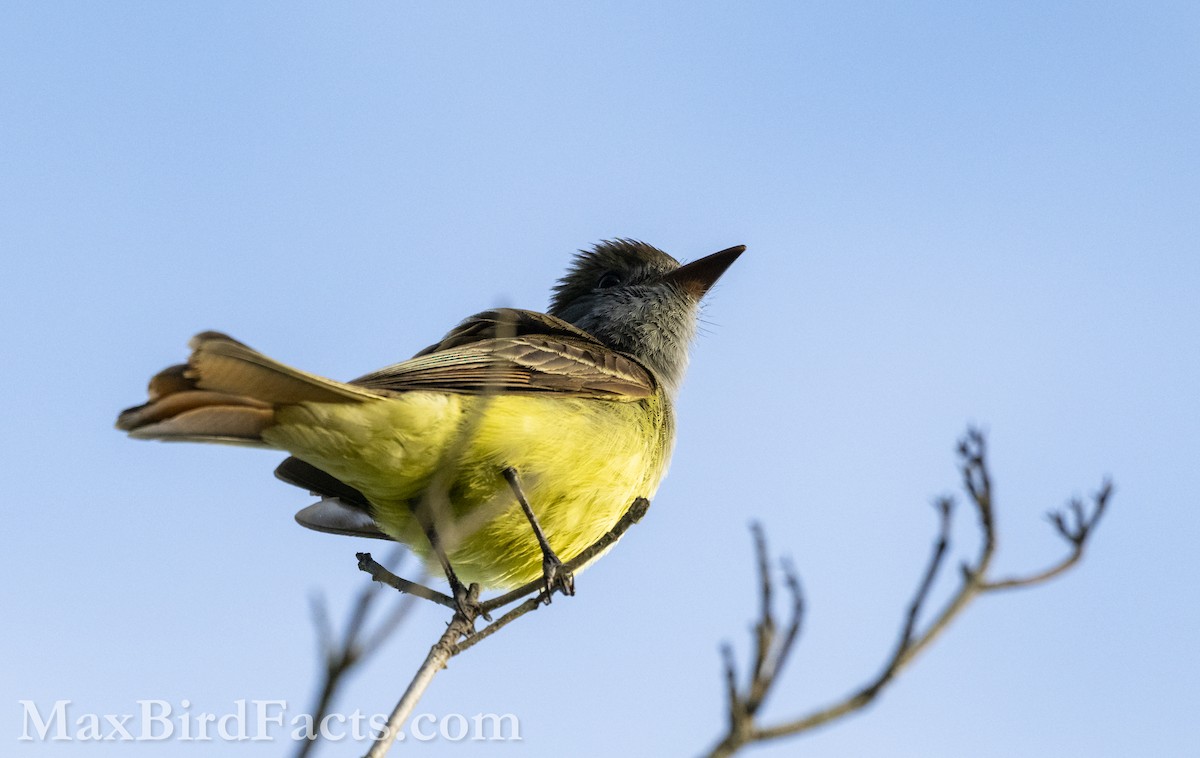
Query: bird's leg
pixel 465 598
pixel 555 573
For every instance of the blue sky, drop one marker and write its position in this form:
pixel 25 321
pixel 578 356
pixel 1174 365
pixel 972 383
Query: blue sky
pixel 955 213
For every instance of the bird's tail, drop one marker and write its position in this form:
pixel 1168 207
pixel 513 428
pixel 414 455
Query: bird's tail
pixel 227 392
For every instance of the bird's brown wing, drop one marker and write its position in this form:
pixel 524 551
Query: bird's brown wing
pixel 506 322
pixel 508 351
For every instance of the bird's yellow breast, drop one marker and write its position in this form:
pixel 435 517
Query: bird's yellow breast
pixel 581 462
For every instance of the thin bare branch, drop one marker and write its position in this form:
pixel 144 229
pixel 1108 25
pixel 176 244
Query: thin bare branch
pixel 764 630
pixel 322 624
pixel 340 656
pixel 1075 533
pixel 460 634
pixel 528 606
pixel 945 507
pixel 1074 523
pixel 461 624
pixel 770 652
pixel 736 709
pixel 792 579
pixel 380 574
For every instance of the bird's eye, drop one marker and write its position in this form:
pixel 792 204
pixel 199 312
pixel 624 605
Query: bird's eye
pixel 610 279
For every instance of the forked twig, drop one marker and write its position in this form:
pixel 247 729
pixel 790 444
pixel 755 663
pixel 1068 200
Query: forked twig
pixel 1075 524
pixel 340 656
pixel 771 652
pixel 461 635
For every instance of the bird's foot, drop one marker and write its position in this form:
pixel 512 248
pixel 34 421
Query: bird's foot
pixel 557 577
pixel 467 605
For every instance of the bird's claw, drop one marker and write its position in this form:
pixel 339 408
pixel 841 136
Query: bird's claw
pixel 557 577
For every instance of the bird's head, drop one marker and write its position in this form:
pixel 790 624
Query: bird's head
pixel 637 299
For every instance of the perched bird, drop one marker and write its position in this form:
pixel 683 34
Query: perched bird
pixel 514 443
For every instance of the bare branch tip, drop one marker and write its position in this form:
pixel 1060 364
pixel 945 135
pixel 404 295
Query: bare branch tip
pixel 727 655
pixel 760 536
pixel 790 573
pixel 729 664
pixel 1101 499
pixel 945 506
pixel 638 509
pixel 1076 506
pixel 972 448
pixel 967 571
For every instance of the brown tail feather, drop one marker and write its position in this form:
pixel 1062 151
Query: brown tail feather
pixel 223 364
pixel 227 392
pixel 219 423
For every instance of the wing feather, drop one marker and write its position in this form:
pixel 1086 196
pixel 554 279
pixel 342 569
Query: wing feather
pixel 523 352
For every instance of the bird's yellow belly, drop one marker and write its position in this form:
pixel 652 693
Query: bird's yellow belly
pixel 581 462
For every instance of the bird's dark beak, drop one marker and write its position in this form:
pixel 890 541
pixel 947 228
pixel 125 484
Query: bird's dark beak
pixel 698 276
